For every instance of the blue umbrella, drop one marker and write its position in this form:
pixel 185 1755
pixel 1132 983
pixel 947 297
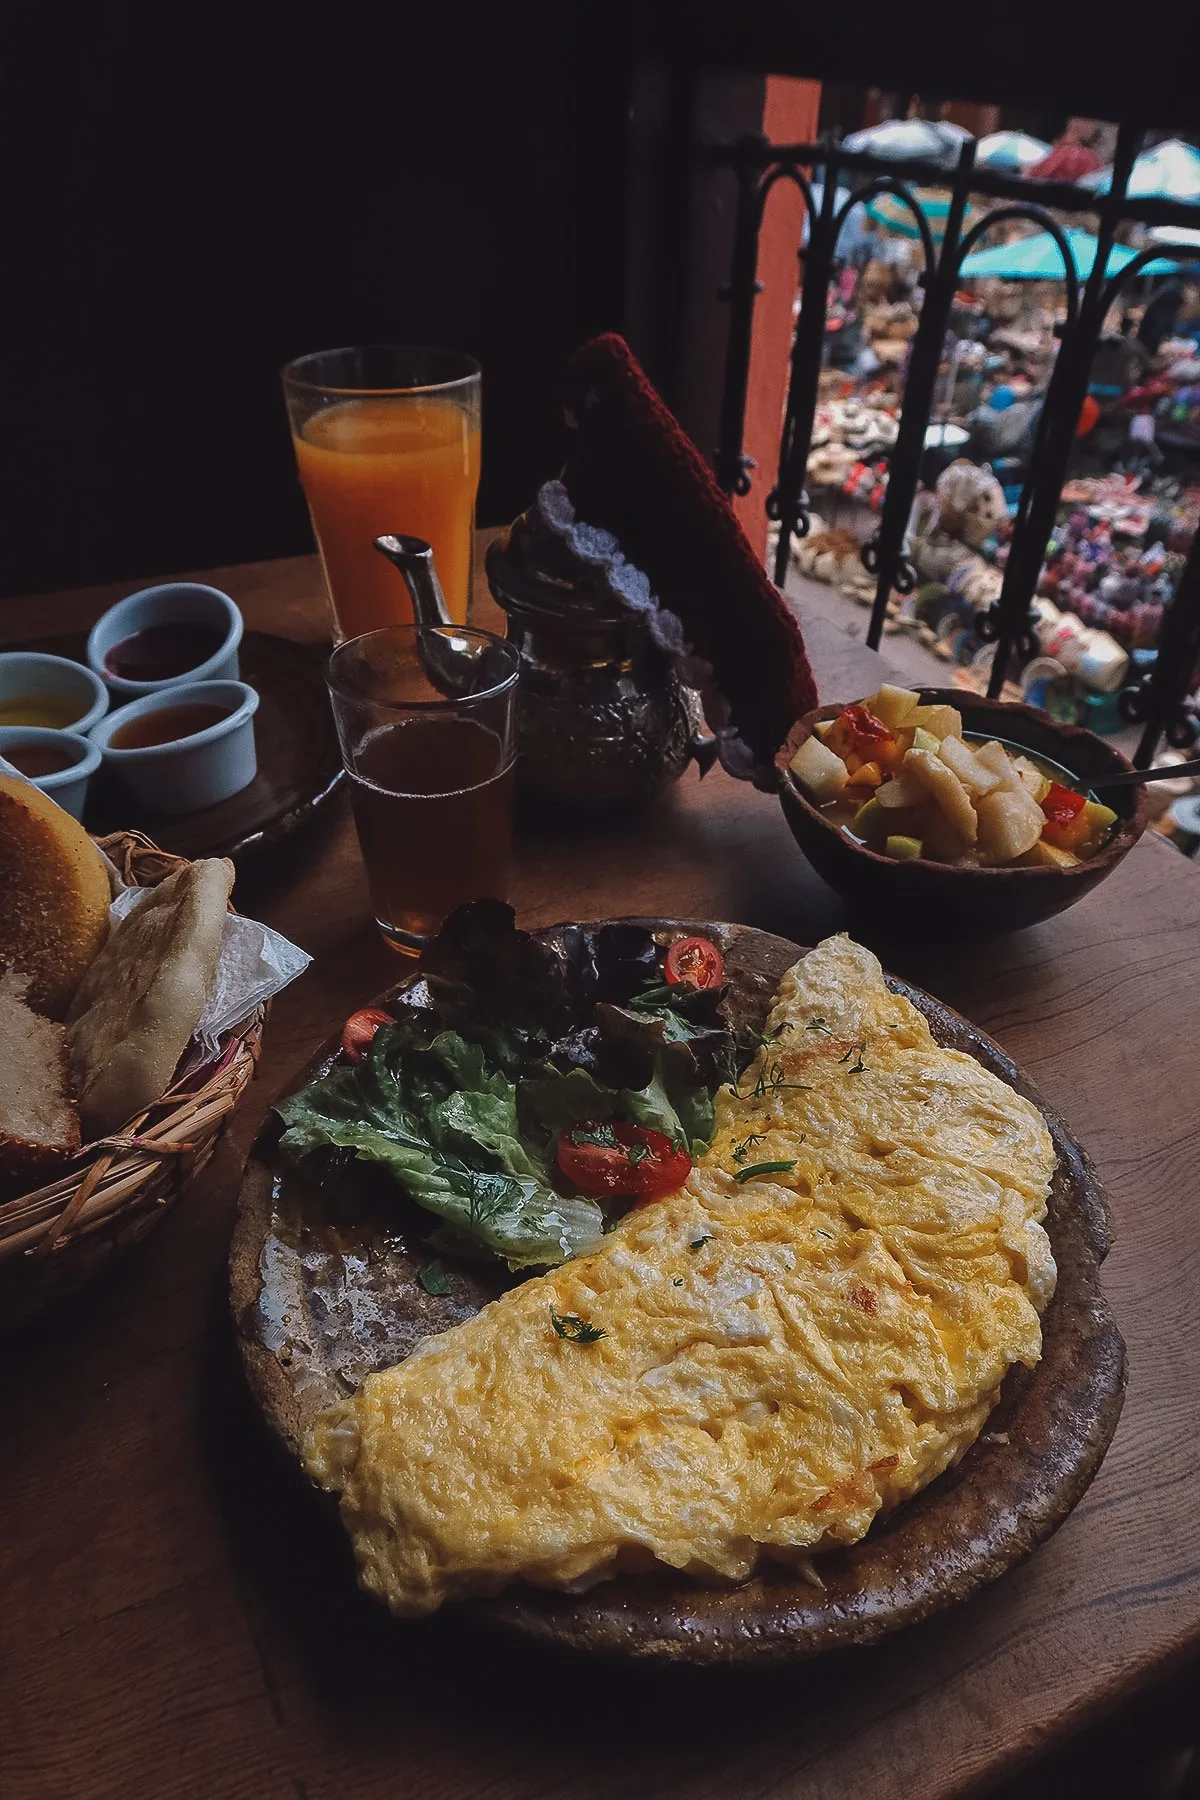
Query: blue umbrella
pixel 1038 258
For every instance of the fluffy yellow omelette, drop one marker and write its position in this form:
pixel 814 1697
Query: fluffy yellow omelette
pixel 782 1357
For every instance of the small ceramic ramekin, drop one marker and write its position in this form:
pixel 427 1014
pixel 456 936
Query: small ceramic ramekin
pixel 172 603
pixel 30 673
pixel 66 786
pixel 186 773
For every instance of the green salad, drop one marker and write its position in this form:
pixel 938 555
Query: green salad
pixel 525 1092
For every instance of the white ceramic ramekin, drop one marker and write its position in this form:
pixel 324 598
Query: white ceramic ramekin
pixel 173 603
pixel 30 672
pixel 188 772
pixel 66 786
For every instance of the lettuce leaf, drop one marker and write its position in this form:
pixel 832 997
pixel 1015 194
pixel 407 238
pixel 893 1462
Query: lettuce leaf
pixel 445 1126
pixel 669 1102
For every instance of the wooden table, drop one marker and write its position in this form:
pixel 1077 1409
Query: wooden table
pixel 178 1619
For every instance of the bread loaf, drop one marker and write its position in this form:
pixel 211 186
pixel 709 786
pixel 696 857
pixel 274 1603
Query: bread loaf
pixel 39 1127
pixel 54 896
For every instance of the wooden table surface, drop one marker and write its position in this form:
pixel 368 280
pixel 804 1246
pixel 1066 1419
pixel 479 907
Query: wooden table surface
pixel 179 1620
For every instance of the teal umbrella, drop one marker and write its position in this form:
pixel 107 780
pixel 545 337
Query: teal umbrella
pixel 1038 258
pixel 895 217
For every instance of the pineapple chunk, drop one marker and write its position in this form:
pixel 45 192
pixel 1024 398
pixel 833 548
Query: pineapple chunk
pixel 942 721
pixel 1032 777
pixel 1010 823
pixel 893 705
pixel 901 790
pixel 945 787
pixel 870 824
pixel 995 757
pixel 903 849
pixel 820 771
pixel 1100 819
pixel 1048 856
pixel 975 776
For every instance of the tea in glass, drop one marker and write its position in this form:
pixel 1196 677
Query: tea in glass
pixel 431 776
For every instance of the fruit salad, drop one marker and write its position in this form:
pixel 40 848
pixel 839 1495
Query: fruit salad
pixel 905 780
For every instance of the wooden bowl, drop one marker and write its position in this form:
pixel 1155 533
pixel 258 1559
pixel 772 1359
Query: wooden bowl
pixel 325 1288
pixel 932 894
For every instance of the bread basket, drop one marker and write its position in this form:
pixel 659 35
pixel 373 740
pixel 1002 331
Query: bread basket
pixel 54 1239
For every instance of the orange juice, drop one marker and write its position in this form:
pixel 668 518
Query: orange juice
pixel 407 463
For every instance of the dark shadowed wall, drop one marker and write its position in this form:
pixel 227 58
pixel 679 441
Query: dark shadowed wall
pixel 193 195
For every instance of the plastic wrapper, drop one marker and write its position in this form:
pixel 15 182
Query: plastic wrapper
pixel 256 962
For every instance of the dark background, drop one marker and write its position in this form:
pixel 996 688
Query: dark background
pixel 193 196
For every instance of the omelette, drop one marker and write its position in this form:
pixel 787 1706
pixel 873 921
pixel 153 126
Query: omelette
pixel 807 1333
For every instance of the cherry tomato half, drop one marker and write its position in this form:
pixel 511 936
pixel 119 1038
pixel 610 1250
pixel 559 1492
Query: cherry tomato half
pixel 1066 821
pixel 616 1157
pixel 696 962
pixel 862 725
pixel 1062 803
pixel 360 1028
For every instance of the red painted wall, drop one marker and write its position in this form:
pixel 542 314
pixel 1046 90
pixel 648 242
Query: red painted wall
pixel 789 116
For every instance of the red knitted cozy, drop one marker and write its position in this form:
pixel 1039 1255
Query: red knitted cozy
pixel 633 471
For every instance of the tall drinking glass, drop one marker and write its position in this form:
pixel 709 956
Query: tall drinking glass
pixel 386 440
pixel 431 777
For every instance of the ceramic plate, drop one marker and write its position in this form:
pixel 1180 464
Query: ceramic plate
pixel 322 1298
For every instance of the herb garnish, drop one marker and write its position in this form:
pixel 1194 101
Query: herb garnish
pixel 820 1024
pixel 769 1168
pixel 857 1067
pixel 434 1279
pixel 602 1136
pixel 677 1281
pixel 774 1081
pixel 575 1329
pixel 699 1243
pixel 741 1151
pixel 638 1154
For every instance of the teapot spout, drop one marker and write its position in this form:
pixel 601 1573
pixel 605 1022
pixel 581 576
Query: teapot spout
pixel 414 559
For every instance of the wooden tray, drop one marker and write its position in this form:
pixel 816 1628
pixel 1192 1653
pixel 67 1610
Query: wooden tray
pixel 320 1302
pixel 299 763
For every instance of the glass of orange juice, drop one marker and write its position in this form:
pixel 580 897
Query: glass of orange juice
pixel 386 440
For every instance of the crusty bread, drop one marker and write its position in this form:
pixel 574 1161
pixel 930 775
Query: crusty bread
pixel 39 1127
pixel 54 896
pixel 142 997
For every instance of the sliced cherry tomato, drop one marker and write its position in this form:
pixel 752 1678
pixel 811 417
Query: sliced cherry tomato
pixel 1062 803
pixel 620 1158
pixel 696 962
pixel 1066 821
pixel 360 1028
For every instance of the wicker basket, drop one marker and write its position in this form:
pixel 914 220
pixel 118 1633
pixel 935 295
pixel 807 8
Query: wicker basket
pixel 53 1240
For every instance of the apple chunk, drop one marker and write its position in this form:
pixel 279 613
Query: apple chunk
pixel 941 721
pixel 820 771
pixel 893 705
pixel 1010 823
pixel 995 757
pixel 946 789
pixel 975 776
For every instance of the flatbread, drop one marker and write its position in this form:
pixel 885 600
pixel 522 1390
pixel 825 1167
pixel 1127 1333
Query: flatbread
pixel 142 997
